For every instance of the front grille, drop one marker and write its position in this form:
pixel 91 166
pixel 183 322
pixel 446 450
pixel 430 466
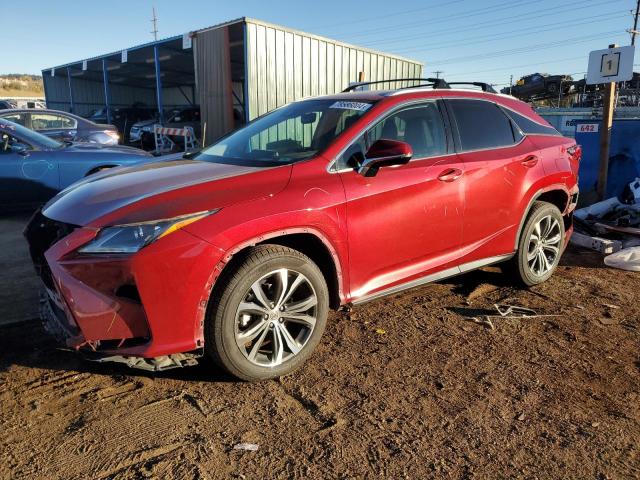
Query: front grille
pixel 42 233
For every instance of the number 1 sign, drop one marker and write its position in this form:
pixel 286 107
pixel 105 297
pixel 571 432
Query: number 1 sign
pixel 610 65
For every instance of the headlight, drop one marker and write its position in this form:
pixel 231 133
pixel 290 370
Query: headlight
pixel 132 237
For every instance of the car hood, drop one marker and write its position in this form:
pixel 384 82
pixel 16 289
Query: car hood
pixel 98 148
pixel 163 189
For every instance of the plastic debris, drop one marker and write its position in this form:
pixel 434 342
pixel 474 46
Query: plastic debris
pixel 627 259
pixel 611 226
pixel 250 447
pixel 380 331
pixel 599 209
pixel 634 189
pixel 484 321
pixel 505 312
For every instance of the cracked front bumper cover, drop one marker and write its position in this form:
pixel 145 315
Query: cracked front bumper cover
pixel 65 333
pixel 141 309
pixel 156 364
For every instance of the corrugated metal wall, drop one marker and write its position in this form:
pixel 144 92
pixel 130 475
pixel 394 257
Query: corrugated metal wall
pixel 283 66
pixel 213 82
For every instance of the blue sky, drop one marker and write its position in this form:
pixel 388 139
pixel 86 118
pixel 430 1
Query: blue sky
pixel 486 40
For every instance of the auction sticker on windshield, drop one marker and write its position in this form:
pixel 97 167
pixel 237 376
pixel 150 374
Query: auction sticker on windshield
pixel 360 106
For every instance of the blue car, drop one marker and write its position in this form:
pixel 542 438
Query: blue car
pixel 33 167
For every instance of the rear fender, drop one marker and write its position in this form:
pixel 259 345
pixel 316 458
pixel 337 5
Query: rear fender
pixel 533 197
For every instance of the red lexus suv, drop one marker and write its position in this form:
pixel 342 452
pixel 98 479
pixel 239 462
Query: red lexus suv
pixel 239 251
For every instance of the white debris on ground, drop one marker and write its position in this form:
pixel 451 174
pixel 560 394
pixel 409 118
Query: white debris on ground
pixel 250 447
pixel 612 227
pixel 627 259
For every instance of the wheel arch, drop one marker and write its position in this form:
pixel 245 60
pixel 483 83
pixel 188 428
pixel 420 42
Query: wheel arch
pixel 557 195
pixel 308 241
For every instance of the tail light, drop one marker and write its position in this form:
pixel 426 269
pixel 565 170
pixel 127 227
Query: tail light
pixel 575 153
pixel 113 134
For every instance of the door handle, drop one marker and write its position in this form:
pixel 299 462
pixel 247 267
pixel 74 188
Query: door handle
pixel 530 161
pixel 450 174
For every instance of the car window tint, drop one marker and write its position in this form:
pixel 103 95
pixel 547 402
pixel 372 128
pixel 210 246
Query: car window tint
pixel 15 117
pixel 44 121
pixel 482 125
pixel 420 126
pixel 530 127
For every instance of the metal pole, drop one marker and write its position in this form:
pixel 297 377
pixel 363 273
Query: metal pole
pixel 605 136
pixel 156 58
pixel 510 84
pixel 154 21
pixel 107 94
pixel 560 93
pixel 245 81
pixel 71 106
pixel 634 32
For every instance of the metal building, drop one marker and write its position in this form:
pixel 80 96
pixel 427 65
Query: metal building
pixel 235 71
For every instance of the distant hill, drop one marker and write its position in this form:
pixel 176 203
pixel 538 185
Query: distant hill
pixel 21 85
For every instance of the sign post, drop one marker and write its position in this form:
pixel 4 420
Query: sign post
pixel 609 66
pixel 605 138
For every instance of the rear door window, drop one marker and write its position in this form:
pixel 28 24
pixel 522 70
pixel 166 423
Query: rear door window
pixel 482 125
pixel 49 121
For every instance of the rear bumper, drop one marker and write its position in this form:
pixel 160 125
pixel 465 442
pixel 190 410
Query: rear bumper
pixel 148 305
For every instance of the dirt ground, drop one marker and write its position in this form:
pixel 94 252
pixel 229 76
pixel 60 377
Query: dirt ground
pixel 401 387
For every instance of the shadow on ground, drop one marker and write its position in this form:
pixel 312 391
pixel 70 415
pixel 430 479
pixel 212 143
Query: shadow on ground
pixel 28 345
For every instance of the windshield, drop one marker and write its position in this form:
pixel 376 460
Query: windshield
pixel 292 133
pixel 29 136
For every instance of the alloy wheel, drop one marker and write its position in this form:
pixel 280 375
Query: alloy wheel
pixel 544 245
pixel 276 317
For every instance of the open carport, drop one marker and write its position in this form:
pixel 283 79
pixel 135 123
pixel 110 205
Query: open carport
pixel 235 72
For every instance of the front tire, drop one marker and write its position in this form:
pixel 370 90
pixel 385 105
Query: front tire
pixel 540 245
pixel 268 314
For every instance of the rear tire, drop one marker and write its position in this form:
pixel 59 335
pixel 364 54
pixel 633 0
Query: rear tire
pixel 268 313
pixel 540 245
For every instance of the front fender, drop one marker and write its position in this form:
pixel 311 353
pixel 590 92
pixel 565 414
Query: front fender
pixel 324 226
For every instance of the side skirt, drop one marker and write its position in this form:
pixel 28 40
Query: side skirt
pixel 434 277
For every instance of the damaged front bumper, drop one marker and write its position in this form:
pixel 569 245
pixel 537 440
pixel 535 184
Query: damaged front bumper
pixel 145 310
pixel 56 324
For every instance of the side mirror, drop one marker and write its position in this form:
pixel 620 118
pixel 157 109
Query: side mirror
pixel 308 118
pixel 385 153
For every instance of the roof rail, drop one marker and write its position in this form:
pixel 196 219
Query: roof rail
pixel 432 82
pixel 484 86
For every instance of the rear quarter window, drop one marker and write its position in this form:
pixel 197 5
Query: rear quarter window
pixel 482 125
pixel 529 127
